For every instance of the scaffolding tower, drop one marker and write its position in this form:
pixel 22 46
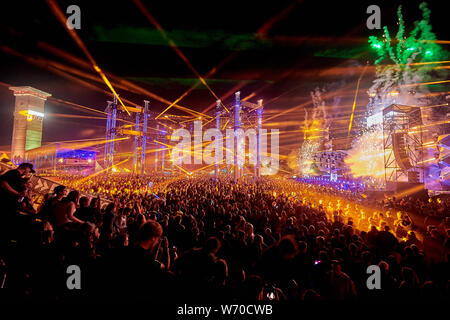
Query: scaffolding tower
pixel 402 144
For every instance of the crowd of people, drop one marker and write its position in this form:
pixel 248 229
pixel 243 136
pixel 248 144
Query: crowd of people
pixel 113 186
pixel 201 238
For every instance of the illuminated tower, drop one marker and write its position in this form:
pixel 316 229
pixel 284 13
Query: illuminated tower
pixel 28 117
pixel 259 113
pixel 144 137
pixel 216 163
pixel 238 163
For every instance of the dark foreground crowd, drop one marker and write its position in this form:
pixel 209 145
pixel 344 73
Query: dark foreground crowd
pixel 202 239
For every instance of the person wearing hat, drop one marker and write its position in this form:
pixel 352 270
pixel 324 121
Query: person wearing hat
pixel 11 191
pixel 12 181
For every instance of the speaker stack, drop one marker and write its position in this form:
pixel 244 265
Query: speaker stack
pixel 400 152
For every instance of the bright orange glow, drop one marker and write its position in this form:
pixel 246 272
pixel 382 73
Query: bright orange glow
pixel 366 158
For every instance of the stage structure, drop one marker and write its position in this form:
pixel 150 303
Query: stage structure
pixel 444 160
pixel 144 137
pixel 61 157
pixel 111 111
pixel 139 133
pixel 155 130
pixel 218 105
pixel 243 115
pixel 402 144
pixel 164 127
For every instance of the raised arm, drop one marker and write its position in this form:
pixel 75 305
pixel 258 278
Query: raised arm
pixel 163 254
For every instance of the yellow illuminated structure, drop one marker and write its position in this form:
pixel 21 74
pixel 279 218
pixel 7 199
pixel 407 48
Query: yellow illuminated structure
pixel 28 117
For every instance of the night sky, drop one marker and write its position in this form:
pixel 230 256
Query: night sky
pixel 281 51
